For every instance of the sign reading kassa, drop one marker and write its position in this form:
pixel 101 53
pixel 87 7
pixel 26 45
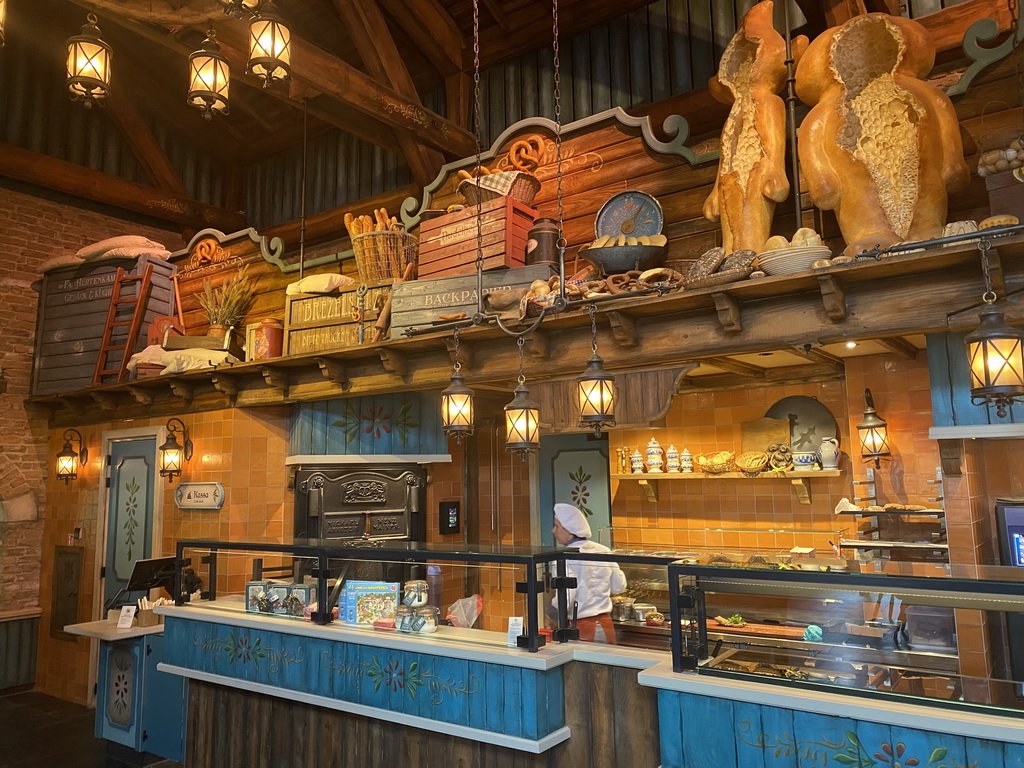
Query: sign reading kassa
pixel 199 496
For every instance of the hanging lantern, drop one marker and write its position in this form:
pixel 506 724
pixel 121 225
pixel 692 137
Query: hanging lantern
pixel 522 417
pixel 236 9
pixel 457 402
pixel 68 460
pixel 595 389
pixel 172 453
pixel 270 46
pixel 994 351
pixel 209 78
pixel 89 65
pixel 874 434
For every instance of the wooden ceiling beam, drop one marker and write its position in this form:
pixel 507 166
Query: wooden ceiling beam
pixel 62 176
pixel 143 143
pixel 735 366
pixel 432 30
pixel 900 346
pixel 820 356
pixel 340 80
pixel 380 55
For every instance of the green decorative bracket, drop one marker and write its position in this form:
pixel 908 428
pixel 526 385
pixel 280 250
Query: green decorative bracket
pixel 982 31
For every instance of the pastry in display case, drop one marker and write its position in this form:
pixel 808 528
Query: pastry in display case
pixel 911 631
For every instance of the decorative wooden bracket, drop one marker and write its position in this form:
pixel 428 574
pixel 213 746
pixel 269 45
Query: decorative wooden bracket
pixel 833 296
pixel 650 488
pixel 105 400
pixel 185 391
pixel 803 489
pixel 623 328
pixel 949 455
pixel 333 370
pixel 226 385
pixel 142 395
pixel 275 377
pixel 74 404
pixel 729 315
pixel 394 362
pixel 538 344
pixel 465 353
pixel 900 346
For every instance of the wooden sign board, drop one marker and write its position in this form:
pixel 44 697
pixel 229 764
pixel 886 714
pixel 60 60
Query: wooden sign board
pixel 73 305
pixel 419 302
pixel 758 434
pixel 327 321
pixel 199 496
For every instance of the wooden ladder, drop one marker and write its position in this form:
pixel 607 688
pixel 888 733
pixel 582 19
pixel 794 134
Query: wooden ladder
pixel 132 326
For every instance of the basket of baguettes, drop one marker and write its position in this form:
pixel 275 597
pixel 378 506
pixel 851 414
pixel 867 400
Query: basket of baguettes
pixel 382 247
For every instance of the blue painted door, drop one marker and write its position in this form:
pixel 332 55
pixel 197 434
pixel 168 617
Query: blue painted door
pixel 129 512
pixel 574 470
pixel 163 705
pixel 119 692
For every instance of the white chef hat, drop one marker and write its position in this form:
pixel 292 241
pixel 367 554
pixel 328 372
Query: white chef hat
pixel 573 520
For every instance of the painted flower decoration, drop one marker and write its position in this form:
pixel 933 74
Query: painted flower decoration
pixel 120 686
pixel 580 493
pixel 377 421
pixel 394 676
pixel 894 757
pixel 243 650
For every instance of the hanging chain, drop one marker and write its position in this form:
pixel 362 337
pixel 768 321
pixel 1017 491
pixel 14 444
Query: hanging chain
pixel 593 328
pixel 520 342
pixel 989 297
pixel 558 119
pixel 476 133
pixel 458 365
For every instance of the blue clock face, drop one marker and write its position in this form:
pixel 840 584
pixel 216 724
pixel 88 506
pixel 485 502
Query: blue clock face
pixel 630 213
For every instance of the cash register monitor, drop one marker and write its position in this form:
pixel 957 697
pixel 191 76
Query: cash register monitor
pixel 147 574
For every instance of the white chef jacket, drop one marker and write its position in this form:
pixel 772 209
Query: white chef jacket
pixel 596 581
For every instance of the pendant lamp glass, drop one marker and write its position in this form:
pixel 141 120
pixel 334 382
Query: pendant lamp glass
pixel 88 65
pixel 209 78
pixel 457 416
pixel 3 19
pixel 270 46
pixel 595 389
pixel 69 460
pixel 874 434
pixel 522 417
pixel 995 351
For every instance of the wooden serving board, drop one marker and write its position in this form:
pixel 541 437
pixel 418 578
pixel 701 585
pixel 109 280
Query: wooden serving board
pixel 760 630
pixel 757 435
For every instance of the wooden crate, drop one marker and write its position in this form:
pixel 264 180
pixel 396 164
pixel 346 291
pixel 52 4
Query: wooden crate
pixel 323 322
pixel 448 244
pixel 73 304
pixel 419 302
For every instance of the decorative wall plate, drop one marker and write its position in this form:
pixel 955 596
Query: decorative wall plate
pixel 630 213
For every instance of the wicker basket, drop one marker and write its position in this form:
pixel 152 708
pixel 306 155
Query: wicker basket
pixel 383 255
pixel 752 463
pixel 518 185
pixel 716 462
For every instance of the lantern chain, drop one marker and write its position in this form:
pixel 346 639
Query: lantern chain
pixel 593 328
pixel 476 136
pixel 989 297
pixel 458 365
pixel 520 342
pixel 556 66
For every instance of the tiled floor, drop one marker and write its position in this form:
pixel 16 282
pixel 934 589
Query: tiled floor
pixel 39 730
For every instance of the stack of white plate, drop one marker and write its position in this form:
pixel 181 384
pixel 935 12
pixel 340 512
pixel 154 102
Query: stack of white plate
pixel 797 258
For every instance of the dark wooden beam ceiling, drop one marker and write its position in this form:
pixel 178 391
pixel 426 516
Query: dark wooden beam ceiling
pixel 432 29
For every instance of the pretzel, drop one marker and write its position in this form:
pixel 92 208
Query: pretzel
pixel 661 276
pixel 619 283
pixel 524 155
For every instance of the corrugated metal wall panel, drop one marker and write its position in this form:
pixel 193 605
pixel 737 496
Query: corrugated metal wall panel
pixel 39 116
pixel 18 652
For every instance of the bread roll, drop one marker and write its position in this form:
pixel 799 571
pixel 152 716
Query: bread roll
pixel 776 243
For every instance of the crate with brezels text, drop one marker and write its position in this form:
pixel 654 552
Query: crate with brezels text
pixel 448 244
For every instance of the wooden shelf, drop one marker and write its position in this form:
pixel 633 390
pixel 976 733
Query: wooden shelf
pixel 649 482
pixel 878 544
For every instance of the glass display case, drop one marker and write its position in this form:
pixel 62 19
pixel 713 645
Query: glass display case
pixel 928 634
pixel 376 585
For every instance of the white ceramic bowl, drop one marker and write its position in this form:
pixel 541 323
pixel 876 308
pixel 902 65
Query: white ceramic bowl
pixel 787 261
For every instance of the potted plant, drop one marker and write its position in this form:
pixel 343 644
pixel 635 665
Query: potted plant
pixel 226 306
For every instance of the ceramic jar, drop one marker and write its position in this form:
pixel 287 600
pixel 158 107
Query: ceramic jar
pixel 655 457
pixel 672 459
pixel 269 339
pixel 542 243
pixel 415 593
pixel 686 461
pixel 803 461
pixel 829 453
pixel 425 619
pixel 636 462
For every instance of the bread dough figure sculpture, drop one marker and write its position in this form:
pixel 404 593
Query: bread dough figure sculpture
pixel 752 169
pixel 880 147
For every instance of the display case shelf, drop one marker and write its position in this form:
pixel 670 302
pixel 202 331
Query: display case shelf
pixel 649 482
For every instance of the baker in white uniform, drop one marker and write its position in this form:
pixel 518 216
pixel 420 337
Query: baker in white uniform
pixel 596 581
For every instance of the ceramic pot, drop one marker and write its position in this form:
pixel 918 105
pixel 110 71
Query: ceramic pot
pixel 803 461
pixel 655 454
pixel 672 459
pixel 686 460
pixel 269 339
pixel 829 453
pixel 636 462
pixel 217 331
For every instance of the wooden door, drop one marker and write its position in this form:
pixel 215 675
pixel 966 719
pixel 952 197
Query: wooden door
pixel 574 470
pixel 132 467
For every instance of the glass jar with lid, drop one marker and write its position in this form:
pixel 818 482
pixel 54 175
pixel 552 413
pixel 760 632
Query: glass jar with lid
pixel 415 593
pixel 426 619
pixel 404 618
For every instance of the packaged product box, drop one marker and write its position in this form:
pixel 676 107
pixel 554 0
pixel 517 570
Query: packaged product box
pixel 278 593
pixel 368 601
pixel 304 593
pixel 252 593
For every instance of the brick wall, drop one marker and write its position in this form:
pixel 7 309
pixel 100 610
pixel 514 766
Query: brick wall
pixel 31 231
